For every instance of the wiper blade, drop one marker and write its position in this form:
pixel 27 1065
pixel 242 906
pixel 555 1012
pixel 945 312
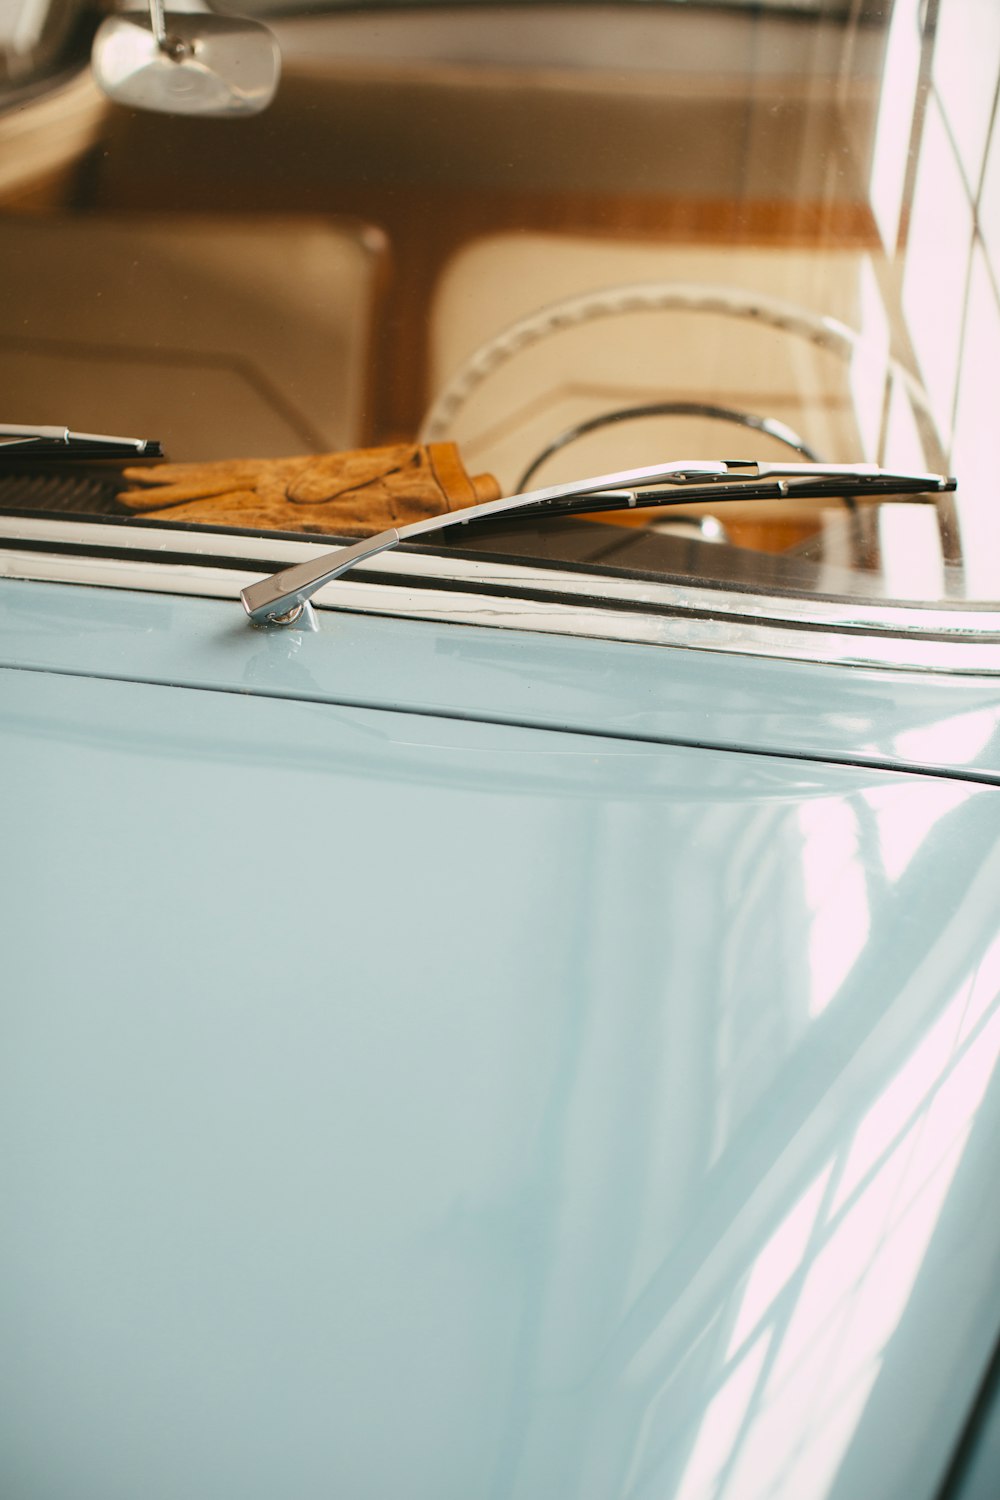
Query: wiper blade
pixel 59 442
pixel 280 599
pixel 760 482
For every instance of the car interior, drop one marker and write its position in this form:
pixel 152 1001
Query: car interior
pixel 511 227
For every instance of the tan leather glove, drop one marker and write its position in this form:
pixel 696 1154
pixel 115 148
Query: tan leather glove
pixel 348 494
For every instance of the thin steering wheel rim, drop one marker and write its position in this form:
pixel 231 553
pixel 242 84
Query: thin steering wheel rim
pixel 665 296
pixel 770 426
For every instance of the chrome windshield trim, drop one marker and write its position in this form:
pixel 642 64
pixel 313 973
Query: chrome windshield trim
pixel 693 615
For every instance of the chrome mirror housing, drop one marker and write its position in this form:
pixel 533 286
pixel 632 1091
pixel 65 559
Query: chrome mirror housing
pixel 188 63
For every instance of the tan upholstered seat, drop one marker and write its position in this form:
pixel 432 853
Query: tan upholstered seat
pixel 218 335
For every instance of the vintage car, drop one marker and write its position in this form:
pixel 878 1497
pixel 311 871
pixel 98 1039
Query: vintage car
pixel 501 987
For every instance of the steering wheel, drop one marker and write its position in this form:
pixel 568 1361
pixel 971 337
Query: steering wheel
pixel 658 296
pixel 769 425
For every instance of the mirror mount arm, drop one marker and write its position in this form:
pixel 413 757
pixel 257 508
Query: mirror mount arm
pixel 171 46
pixel 158 23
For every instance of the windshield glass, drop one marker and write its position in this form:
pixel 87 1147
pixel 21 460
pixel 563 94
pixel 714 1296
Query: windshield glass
pixel 507 247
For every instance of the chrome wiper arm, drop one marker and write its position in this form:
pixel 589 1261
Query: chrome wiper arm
pixel 59 442
pixel 281 598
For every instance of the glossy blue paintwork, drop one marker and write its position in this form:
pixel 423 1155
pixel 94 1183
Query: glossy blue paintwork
pixel 900 718
pixel 978 1471
pixel 409 1104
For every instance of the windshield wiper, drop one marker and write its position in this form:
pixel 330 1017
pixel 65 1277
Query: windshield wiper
pixel 281 598
pixel 59 442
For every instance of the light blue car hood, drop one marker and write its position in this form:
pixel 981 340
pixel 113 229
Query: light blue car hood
pixel 393 1105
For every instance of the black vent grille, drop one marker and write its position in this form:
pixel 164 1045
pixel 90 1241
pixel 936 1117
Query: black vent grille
pixel 67 491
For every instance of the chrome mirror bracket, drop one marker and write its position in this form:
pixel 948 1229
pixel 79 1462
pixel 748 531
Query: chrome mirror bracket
pixel 186 63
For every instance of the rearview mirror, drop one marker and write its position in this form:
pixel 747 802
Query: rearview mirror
pixel 186 63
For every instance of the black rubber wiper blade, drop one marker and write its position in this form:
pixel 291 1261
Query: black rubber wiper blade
pixel 824 483
pixel 59 442
pixel 281 599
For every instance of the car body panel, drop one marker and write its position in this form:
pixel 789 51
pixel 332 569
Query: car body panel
pixel 407 1104
pixel 535 1035
pixel 978 1464
pixel 643 692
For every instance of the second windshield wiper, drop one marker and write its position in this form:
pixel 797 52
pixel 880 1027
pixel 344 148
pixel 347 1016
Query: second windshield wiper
pixel 280 599
pixel 58 442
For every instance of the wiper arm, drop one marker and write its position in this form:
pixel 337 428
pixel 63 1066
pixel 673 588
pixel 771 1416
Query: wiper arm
pixel 281 598
pixel 59 442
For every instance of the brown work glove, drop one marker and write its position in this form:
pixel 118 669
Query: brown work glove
pixel 349 494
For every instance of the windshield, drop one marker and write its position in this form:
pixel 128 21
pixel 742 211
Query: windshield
pixel 519 246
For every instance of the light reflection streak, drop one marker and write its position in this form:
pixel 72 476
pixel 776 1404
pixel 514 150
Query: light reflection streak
pixel 912 561
pixel 855 1293
pixel 939 242
pixel 836 893
pixel 827 1319
pixel 721 1426
pixel 892 133
pixel 905 816
pixel 976 451
pixel 778 1261
pixel 903 447
pixel 984 991
pixel 890 1117
pixel 835 872
pixel 942 1052
pixel 955 741
pixel 870 364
